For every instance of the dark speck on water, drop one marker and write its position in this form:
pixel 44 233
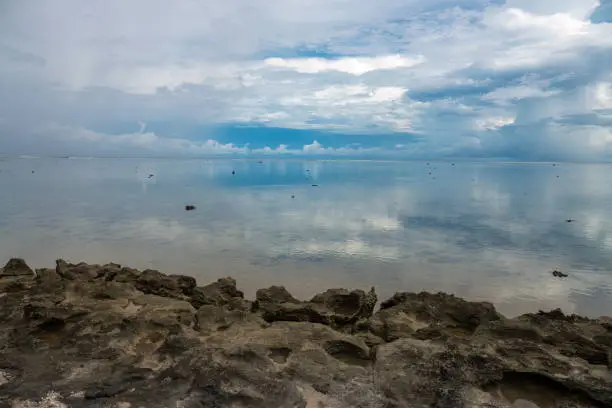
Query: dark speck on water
pixel 190 207
pixel 315 185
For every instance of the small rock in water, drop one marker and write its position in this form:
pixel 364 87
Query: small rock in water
pixel 569 220
pixel 559 274
pixel 190 207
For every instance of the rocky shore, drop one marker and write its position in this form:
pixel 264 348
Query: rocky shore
pixel 80 335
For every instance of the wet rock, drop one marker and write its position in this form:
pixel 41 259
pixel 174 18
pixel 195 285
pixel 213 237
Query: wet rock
pixel 16 267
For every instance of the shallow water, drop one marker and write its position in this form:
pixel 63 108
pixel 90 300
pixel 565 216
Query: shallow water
pixel 483 231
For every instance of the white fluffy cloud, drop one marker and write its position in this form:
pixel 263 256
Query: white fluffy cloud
pixel 349 65
pixel 469 78
pixel 78 141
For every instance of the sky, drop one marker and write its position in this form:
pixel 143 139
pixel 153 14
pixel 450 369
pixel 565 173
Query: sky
pixel 401 79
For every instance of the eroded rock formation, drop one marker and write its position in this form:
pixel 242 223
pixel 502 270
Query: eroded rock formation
pixel 105 335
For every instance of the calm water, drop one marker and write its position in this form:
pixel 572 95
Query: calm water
pixel 483 231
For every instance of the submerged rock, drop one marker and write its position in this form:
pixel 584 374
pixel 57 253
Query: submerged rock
pixel 106 335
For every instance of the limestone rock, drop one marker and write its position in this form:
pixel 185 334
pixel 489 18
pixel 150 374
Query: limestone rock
pixel 221 292
pixel 334 307
pixel 16 267
pixel 107 335
pixel 427 316
pixel 275 294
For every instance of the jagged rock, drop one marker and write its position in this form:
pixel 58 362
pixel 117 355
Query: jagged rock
pixel 305 351
pixel 156 283
pixel 421 373
pixel 275 294
pixel 293 312
pixel 347 306
pixel 430 315
pixel 221 292
pixel 16 267
pixel 106 335
pixel 125 275
pixel 211 318
pixel 335 307
pixel 80 271
pixel 47 277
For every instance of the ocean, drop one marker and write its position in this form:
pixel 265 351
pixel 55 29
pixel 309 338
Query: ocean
pixel 483 231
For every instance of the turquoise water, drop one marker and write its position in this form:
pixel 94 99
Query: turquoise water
pixel 484 231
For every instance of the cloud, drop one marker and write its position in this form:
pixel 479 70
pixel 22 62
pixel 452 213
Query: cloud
pixel 473 78
pixel 82 141
pixel 350 65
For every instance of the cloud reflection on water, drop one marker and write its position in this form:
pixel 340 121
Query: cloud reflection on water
pixel 485 231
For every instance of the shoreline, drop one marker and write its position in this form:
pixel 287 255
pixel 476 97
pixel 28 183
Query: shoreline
pixel 86 335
